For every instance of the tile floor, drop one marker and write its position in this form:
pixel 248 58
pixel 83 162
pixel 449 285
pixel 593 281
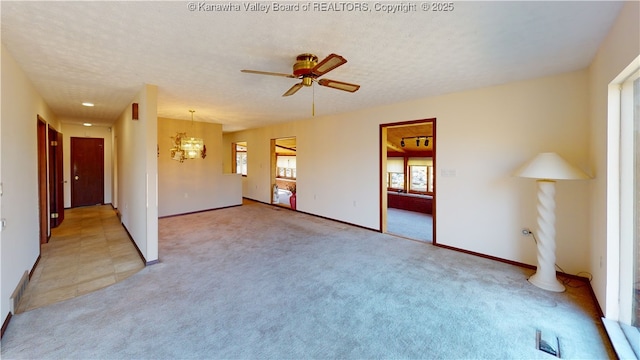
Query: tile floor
pixel 88 251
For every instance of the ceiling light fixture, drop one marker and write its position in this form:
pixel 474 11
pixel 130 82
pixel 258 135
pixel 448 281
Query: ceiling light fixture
pixel 185 147
pixel 418 138
pixel 87 124
pixel 88 104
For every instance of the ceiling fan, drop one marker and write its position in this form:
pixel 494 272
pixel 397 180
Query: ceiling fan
pixel 308 69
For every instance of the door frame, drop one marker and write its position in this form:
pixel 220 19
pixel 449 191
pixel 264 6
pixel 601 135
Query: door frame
pixel 274 166
pixel 43 209
pixel 56 181
pixel 383 162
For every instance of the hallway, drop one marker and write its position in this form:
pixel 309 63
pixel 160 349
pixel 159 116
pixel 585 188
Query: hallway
pixel 89 251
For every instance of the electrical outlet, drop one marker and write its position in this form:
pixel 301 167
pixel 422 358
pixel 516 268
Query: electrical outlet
pixel 526 232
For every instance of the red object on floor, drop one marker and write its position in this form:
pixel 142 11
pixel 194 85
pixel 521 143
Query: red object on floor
pixel 292 201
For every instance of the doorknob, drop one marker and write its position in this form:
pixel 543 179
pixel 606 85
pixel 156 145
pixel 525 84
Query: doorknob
pixel 77 177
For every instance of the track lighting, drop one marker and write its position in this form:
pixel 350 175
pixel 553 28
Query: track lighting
pixel 418 138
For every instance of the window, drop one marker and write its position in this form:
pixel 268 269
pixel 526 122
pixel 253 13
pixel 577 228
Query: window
pixel 421 175
pixel 629 198
pixel 623 211
pixel 241 158
pixel 629 211
pixel 418 178
pixel 395 181
pixel 241 163
pixel 636 211
pixel 395 173
pixel 286 165
pixel 635 189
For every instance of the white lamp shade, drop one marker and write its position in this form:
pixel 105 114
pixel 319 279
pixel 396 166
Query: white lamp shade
pixel 550 166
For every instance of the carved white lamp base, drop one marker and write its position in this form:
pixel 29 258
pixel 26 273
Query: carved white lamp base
pixel 547 167
pixel 545 276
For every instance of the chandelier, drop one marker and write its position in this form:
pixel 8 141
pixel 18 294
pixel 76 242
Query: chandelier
pixel 186 147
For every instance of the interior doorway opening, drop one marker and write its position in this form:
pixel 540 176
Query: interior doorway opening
pixel 284 172
pixel 408 182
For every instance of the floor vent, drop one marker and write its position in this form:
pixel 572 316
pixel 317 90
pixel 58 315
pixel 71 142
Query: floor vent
pixel 548 343
pixel 19 292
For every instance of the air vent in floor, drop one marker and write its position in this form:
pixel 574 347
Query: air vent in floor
pixel 548 343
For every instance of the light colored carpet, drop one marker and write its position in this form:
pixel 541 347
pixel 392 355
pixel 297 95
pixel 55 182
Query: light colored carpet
pixel 263 282
pixel 410 224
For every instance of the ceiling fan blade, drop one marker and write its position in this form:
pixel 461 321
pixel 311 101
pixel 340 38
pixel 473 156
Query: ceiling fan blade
pixel 329 63
pixel 339 85
pixel 267 73
pixel 293 89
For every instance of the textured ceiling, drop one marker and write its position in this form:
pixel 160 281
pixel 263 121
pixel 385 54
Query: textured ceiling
pixel 104 52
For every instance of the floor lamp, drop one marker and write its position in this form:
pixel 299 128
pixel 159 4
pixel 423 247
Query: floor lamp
pixel 546 168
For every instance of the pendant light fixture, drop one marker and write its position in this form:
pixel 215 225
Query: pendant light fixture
pixel 186 147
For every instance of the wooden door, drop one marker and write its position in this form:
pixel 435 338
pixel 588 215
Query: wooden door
pixel 42 181
pixel 87 171
pixel 56 182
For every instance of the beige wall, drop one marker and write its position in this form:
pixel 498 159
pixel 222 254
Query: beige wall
pixel 619 48
pixel 197 184
pixel 21 104
pixel 101 132
pixel 137 170
pixel 482 135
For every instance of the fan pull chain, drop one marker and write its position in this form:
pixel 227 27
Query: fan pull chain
pixel 313 100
